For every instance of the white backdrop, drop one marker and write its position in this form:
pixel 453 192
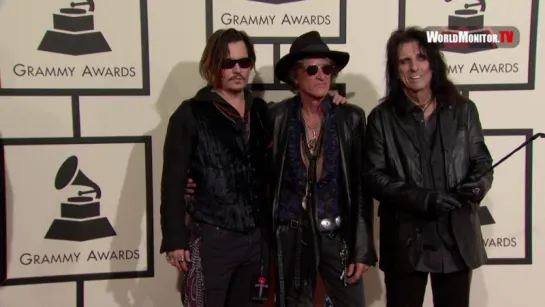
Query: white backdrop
pixel 108 105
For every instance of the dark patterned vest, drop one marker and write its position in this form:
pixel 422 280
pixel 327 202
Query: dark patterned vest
pixel 295 173
pixel 228 167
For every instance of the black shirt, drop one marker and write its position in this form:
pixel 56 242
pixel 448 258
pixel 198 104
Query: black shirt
pixel 440 253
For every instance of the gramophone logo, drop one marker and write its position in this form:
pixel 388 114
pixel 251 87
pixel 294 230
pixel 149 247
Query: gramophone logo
pixel 466 31
pixel 74 32
pixel 485 216
pixel 80 215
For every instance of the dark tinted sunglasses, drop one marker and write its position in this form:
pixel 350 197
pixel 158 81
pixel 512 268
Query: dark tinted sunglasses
pixel 231 63
pixel 327 69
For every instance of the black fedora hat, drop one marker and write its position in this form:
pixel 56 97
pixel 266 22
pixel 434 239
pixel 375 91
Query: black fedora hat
pixel 308 45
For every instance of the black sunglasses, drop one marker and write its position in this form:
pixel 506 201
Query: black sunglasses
pixel 231 63
pixel 313 69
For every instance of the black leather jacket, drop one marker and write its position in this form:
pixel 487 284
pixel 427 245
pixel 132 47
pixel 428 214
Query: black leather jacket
pixel 393 176
pixel 356 209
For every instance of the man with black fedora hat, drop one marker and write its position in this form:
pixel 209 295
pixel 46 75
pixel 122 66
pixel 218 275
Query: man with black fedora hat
pixel 321 220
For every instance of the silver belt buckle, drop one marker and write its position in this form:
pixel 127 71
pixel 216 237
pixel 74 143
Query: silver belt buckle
pixel 326 224
pixel 338 221
pixel 330 224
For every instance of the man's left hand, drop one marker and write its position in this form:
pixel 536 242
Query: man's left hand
pixel 337 98
pixel 355 270
pixel 472 191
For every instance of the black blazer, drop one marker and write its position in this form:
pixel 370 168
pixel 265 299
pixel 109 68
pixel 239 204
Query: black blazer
pixel 393 176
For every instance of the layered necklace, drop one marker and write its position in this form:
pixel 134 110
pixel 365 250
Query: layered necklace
pixel 312 150
pixel 426 105
pixel 313 137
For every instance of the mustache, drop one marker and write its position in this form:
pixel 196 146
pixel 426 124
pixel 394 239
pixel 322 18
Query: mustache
pixel 237 76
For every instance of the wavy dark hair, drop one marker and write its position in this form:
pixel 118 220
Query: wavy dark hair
pixel 217 50
pixel 441 87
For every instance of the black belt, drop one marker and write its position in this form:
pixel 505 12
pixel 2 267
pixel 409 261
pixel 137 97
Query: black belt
pixel 324 225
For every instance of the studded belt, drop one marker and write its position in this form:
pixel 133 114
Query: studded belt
pixel 324 225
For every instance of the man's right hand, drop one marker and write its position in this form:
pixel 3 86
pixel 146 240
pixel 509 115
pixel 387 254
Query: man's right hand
pixel 190 187
pixel 180 259
pixel 441 203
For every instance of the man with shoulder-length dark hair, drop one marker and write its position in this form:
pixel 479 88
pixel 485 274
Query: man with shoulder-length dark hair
pixel 209 139
pixel 426 162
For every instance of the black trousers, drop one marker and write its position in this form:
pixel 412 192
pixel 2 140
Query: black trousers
pixel 231 264
pixel 449 290
pixel 330 269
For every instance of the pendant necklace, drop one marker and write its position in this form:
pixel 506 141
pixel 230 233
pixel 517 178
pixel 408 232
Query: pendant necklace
pixel 311 145
pixel 425 106
pixel 312 142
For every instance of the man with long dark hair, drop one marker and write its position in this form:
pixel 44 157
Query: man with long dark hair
pixel 425 157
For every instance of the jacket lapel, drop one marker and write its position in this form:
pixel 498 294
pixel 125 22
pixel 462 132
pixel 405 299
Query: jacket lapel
pixel 406 123
pixel 343 146
pixel 448 130
pixel 280 137
pixel 279 148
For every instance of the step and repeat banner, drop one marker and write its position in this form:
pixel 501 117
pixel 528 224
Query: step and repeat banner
pixel 80 210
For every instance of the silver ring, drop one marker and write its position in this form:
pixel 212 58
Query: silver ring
pixel 476 191
pixel 181 259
